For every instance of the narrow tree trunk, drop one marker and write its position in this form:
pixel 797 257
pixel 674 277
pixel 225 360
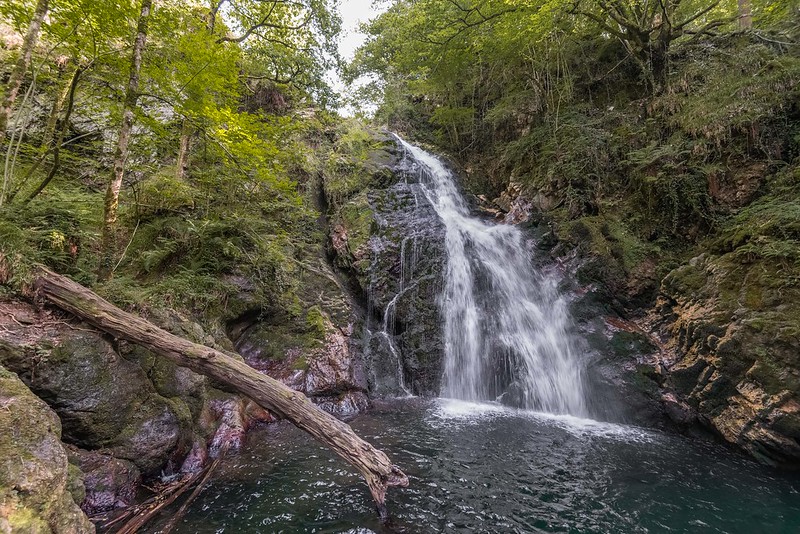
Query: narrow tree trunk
pixel 24 61
pixel 62 132
pixel 183 150
pixel 55 111
pixel 745 14
pixel 121 154
pixel 212 15
pixel 376 468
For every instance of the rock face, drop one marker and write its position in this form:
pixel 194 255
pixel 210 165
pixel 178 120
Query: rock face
pixel 112 405
pixel 323 367
pixel 372 325
pixel 110 482
pixel 733 352
pixel 388 241
pixel 35 476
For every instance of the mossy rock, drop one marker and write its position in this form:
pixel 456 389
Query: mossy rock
pixel 106 401
pixel 358 219
pixel 34 472
pixel 96 407
pixel 169 379
pixel 627 345
pixel 160 433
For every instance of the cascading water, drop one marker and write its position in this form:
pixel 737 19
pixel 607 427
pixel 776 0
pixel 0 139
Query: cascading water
pixel 506 327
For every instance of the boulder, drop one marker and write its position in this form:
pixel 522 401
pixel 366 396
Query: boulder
pixel 35 479
pixel 105 401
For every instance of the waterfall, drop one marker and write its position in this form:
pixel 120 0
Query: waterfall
pixel 506 326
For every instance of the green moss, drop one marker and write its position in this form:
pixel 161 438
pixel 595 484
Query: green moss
pixel 612 250
pixel 21 518
pixel 315 322
pixel 628 345
pixel 75 485
pixel 355 162
pixel 687 279
pixel 164 193
pixel 301 363
pixel 357 217
pixel 274 341
pixel 645 379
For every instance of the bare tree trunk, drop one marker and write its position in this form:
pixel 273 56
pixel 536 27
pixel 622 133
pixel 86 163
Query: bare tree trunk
pixel 121 154
pixel 745 14
pixel 183 150
pixel 62 132
pixel 55 111
pixel 376 468
pixel 24 61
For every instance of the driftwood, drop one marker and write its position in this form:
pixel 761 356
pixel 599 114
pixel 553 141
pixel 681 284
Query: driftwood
pixel 376 468
pixel 141 515
pixel 134 517
pixel 138 516
pixel 173 521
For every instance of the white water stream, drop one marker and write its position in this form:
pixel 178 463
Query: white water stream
pixel 506 327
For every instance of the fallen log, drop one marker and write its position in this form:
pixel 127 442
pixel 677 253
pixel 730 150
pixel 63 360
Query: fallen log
pixel 376 468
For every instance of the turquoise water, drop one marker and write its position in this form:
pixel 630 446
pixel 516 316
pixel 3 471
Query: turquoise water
pixel 483 468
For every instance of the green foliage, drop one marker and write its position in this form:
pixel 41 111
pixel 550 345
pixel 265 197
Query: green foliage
pixel 640 128
pixel 227 84
pixel 728 86
pixel 768 229
pixel 54 231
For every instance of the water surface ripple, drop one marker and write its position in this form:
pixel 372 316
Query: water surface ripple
pixel 486 468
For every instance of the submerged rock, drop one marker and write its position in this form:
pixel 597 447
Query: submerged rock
pixel 34 472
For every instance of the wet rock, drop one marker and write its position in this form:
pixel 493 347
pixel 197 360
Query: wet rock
pixel 197 457
pixel 389 240
pixel 622 378
pixel 333 368
pixel 232 424
pixel 347 404
pixel 34 471
pixel 517 208
pixel 384 366
pixel 109 482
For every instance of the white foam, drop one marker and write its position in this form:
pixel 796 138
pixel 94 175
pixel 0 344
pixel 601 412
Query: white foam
pixel 448 412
